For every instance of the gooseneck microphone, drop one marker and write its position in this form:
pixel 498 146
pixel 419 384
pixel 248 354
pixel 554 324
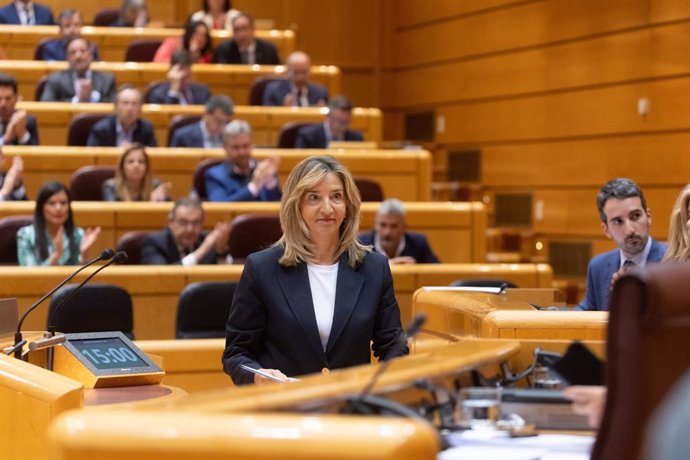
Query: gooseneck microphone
pixel 105 255
pixel 412 331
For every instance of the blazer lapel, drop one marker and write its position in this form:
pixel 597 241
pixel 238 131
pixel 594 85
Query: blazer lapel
pixel 295 285
pixel 612 265
pixel 348 288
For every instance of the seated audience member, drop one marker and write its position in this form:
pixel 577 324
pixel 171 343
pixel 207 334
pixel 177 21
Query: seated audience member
pixel 16 126
pixel 53 238
pixel 241 178
pixel 79 83
pixel 70 23
pixel 11 185
pixel 244 47
pixel 126 126
pixel 133 13
pixel 625 219
pixel 336 127
pixel 134 180
pixel 208 132
pixel 679 229
pixel 297 90
pixel 217 14
pixel 183 241
pixel 391 238
pixel 196 39
pixel 26 13
pixel 180 89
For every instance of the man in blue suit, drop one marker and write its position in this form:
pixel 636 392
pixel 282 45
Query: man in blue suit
pixel 334 128
pixel 179 89
pixel 391 238
pixel 625 219
pixel 208 132
pixel 297 90
pixel 70 23
pixel 26 13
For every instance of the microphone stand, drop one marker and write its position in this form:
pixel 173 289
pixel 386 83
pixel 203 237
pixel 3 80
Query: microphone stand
pixel 106 254
pixel 119 257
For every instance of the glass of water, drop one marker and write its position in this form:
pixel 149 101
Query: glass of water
pixel 480 407
pixel 542 377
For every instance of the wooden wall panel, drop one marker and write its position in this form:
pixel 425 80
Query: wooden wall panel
pixel 409 13
pixel 668 10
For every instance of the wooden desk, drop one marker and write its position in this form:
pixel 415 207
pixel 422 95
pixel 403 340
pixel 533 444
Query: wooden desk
pixel 229 79
pixel 155 289
pixel 53 119
pixel 402 174
pixel 112 42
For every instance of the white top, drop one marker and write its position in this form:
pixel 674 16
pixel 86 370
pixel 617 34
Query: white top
pixel 322 281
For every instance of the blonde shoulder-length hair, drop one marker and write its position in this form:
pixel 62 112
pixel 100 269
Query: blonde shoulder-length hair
pixel 123 192
pixel 296 240
pixel 678 232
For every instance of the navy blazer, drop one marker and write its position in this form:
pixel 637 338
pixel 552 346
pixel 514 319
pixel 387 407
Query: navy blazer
pixel 42 14
pixel 59 86
pixel 188 136
pixel 600 273
pixel 272 323
pixel 159 94
pixel 275 92
pixel 224 185
pixel 229 53
pixel 160 249
pixel 416 246
pixel 314 137
pixel 56 50
pixel 31 128
pixel 104 133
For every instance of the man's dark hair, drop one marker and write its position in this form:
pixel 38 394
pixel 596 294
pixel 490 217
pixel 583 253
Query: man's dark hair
pixel 620 189
pixel 182 57
pixel 249 17
pixel 66 14
pixel 341 103
pixel 221 102
pixel 8 80
pixel 187 202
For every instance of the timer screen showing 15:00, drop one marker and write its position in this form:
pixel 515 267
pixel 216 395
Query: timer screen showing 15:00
pixel 110 353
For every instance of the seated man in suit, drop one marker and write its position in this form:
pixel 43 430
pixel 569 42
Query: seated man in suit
pixel 70 23
pixel 244 47
pixel 208 132
pixel 241 178
pixel 79 83
pixel 133 13
pixel 625 219
pixel 334 128
pixel 16 126
pixel 297 90
pixel 180 89
pixel 391 238
pixel 26 13
pixel 183 242
pixel 126 126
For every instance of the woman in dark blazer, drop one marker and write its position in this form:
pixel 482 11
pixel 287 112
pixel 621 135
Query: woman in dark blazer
pixel 317 298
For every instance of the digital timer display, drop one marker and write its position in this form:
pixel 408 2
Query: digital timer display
pixel 108 353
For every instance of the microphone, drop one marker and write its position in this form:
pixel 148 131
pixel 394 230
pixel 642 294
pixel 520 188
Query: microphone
pixel 414 328
pixel 46 342
pixel 105 255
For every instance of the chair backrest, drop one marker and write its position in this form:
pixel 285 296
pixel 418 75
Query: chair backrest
pixel 87 181
pixel 130 242
pixel 80 127
pixel 288 134
pixel 484 282
pixel 202 310
pixel 106 17
pixel 647 352
pixel 369 189
pixel 179 121
pixel 38 52
pixel 97 307
pixel 199 184
pixel 142 50
pixel 256 92
pixel 252 232
pixel 8 237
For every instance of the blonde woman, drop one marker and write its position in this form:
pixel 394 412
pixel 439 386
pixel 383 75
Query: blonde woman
pixel 133 179
pixel 679 229
pixel 318 297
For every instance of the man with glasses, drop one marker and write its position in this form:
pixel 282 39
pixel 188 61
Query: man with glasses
pixel 183 241
pixel 208 132
pixel 336 127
